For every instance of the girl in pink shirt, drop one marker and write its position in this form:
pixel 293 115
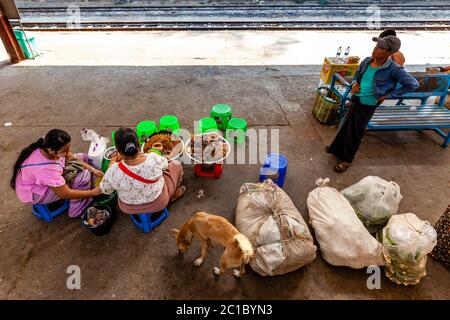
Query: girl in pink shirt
pixel 37 176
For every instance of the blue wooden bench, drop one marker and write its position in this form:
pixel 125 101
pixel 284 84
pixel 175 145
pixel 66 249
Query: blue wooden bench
pixel 404 115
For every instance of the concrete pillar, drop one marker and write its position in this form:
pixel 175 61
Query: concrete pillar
pixel 9 40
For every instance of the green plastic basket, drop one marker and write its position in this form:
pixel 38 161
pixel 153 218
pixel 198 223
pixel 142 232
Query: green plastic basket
pixel 326 105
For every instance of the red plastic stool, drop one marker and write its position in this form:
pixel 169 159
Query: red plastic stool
pixel 214 173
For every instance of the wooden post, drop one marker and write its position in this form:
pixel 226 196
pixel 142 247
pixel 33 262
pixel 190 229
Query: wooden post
pixel 9 40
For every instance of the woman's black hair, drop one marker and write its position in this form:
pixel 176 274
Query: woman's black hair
pixel 127 141
pixel 55 139
pixel 387 32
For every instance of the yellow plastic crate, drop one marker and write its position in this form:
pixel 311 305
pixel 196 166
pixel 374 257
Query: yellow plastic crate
pixel 331 66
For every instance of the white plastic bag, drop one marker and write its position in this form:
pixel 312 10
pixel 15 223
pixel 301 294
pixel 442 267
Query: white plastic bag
pixel 374 200
pixel 406 242
pixel 343 239
pixel 97 147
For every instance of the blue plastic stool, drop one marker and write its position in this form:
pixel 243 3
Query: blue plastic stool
pixel 146 224
pixel 274 164
pixel 42 211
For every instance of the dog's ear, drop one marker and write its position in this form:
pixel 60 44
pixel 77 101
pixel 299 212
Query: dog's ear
pixel 174 232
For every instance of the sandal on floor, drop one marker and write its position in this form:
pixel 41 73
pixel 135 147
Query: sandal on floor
pixel 178 193
pixel 341 166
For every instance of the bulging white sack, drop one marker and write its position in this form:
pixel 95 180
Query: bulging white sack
pixel 268 217
pixel 343 239
pixel 374 200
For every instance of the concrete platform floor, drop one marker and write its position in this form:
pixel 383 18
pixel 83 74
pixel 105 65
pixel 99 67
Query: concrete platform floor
pixel 127 264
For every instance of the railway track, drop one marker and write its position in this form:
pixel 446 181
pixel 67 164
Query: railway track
pixel 248 17
pixel 347 6
pixel 235 25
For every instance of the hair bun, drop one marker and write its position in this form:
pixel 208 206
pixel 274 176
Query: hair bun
pixel 130 147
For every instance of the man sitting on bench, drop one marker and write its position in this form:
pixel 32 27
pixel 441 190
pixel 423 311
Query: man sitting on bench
pixel 376 79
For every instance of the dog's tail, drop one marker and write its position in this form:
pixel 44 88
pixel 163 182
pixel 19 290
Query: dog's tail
pixel 246 247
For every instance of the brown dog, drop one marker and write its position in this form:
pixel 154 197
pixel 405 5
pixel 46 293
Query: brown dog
pixel 208 227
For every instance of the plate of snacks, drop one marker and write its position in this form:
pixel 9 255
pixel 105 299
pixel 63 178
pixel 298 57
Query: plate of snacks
pixel 208 148
pixel 164 143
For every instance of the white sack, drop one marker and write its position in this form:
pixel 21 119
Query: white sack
pixel 374 200
pixel 343 239
pixel 268 217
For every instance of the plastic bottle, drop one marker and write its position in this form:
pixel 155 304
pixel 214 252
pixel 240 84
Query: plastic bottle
pixel 347 51
pixel 338 53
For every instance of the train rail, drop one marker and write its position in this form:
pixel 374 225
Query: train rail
pixel 248 17
pixel 226 25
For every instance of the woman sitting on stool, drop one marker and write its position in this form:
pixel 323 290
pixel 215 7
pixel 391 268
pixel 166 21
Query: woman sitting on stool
pixel 38 174
pixel 144 182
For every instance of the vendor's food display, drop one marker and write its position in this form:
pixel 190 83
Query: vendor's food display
pixel 208 147
pixel 96 217
pixel 164 143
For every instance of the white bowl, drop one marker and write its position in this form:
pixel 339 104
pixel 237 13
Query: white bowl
pixel 174 158
pixel 188 143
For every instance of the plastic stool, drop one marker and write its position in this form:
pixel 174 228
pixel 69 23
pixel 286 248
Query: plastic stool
pixel 169 122
pixel 146 224
pixel 222 114
pixel 43 212
pixel 207 125
pixel 274 164
pixel 145 129
pixel 216 171
pixel 237 130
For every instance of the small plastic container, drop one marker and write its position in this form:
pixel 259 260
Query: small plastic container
pixel 106 157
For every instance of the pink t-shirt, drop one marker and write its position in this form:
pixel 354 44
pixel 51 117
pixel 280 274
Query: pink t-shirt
pixel 38 178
